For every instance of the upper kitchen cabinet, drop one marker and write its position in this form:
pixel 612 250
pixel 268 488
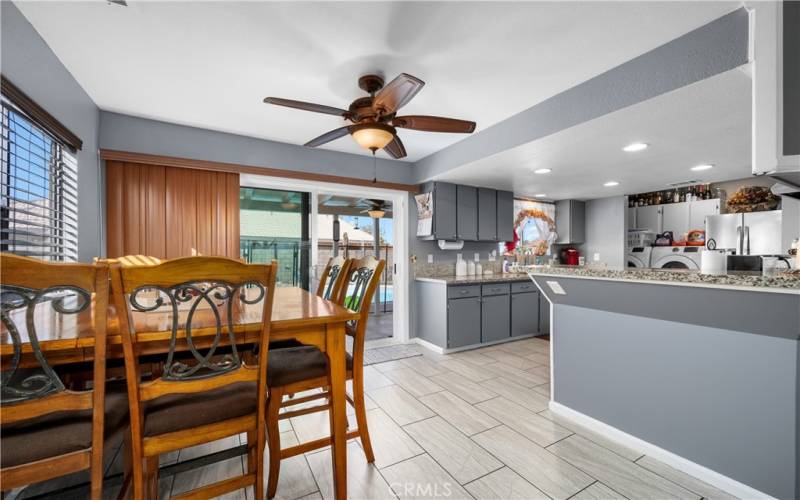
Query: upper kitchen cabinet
pixel 487 214
pixel 649 218
pixel 469 213
pixel 505 216
pixel 699 210
pixel 570 221
pixel 444 211
pixel 466 213
pixel 675 218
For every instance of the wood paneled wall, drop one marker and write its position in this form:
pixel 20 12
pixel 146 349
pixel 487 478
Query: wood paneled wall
pixel 170 212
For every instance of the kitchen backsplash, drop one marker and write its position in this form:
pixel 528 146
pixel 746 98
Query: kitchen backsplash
pixel 423 269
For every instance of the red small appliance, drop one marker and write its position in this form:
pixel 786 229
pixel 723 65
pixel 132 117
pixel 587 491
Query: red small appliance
pixel 569 256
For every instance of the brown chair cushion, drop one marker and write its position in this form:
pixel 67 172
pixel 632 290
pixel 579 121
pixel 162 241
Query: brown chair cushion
pixel 177 412
pixel 295 364
pixel 63 432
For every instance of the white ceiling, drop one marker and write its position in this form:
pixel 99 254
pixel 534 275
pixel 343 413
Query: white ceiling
pixel 707 122
pixel 210 64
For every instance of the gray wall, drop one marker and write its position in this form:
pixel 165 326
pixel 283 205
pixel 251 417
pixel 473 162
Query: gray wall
pixel 723 399
pixel 29 63
pixel 606 231
pixel 713 378
pixel 141 135
pixel 709 50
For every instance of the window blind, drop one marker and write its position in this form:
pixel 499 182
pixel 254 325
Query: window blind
pixel 39 191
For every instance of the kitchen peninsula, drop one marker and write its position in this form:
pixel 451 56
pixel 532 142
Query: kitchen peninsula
pixel 702 372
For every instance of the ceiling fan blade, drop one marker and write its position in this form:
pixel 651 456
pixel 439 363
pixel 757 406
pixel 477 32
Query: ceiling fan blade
pixel 328 137
pixel 397 93
pixel 307 106
pixel 395 148
pixel 434 124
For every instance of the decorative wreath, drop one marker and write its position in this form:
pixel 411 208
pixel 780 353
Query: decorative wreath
pixel 536 213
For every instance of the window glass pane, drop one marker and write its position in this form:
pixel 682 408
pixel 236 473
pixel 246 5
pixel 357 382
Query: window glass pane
pixel 38 191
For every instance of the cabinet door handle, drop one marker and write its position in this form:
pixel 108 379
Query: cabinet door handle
pixel 463 292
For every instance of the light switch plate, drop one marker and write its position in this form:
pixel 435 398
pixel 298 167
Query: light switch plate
pixel 596 257
pixel 430 258
pixel 556 288
pixel 477 256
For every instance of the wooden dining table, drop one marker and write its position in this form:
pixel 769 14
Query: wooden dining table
pixel 297 314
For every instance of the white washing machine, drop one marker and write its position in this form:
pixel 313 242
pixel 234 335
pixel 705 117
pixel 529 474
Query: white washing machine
pixel 676 258
pixel 639 257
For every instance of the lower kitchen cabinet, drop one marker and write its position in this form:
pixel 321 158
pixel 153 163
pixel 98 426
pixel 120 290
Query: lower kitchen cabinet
pixel 466 315
pixel 544 315
pixel 463 322
pixel 524 313
pixel 495 320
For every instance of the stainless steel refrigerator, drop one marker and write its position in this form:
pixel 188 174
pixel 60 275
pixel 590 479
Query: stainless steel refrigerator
pixel 755 233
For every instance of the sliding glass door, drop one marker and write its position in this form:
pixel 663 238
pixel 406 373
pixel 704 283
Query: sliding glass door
pixel 274 226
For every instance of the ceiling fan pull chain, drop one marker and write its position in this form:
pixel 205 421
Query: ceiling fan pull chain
pixel 374 168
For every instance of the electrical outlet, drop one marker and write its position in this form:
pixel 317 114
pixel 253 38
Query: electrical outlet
pixel 477 256
pixel 596 257
pixel 430 258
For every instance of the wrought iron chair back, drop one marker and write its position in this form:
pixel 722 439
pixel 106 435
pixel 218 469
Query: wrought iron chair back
pixel 363 278
pixel 44 294
pixel 35 294
pixel 333 277
pixel 205 292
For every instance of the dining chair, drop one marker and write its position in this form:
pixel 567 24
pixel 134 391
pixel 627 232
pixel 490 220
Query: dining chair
pixel 333 277
pixel 214 393
pixel 48 430
pixel 297 369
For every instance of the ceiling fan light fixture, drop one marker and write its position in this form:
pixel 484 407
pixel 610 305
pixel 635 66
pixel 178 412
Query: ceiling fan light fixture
pixel 376 214
pixel 372 136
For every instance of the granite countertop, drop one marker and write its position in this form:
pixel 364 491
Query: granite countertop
pixel 742 281
pixel 475 280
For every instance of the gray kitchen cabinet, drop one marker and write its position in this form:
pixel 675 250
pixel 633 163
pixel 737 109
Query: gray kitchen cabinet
pixel 570 221
pixel 495 321
pixel 544 315
pixel 463 322
pixel 524 313
pixel 505 216
pixel 487 214
pixel 444 211
pixel 466 213
pixel 649 218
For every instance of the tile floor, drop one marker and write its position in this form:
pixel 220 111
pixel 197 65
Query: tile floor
pixel 467 425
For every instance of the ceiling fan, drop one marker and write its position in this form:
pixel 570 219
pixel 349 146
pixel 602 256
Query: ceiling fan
pixel 375 208
pixel 374 118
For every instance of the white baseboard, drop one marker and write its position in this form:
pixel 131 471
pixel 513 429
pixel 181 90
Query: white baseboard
pixel 441 350
pixel 424 343
pixel 713 478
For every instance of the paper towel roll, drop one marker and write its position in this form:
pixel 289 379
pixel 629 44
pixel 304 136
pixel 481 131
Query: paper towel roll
pixel 713 262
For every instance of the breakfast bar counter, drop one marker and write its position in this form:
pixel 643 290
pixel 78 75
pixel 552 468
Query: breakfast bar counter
pixel 700 371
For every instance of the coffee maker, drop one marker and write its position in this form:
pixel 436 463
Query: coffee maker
pixel 570 256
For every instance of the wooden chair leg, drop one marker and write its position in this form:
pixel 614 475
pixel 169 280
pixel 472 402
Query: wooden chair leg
pixel 361 413
pixel 258 451
pixel 252 446
pixel 151 464
pixel 96 472
pixel 273 440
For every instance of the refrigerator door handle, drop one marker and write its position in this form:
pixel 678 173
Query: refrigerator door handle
pixel 747 238
pixel 739 240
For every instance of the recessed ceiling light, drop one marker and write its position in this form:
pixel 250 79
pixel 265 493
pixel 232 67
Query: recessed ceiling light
pixel 636 146
pixel 702 167
pixel 611 184
pixel 540 195
pixel 542 171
